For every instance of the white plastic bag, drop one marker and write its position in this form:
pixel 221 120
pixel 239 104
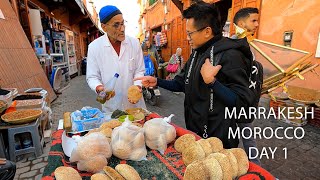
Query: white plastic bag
pixel 127 142
pixel 91 152
pixel 158 133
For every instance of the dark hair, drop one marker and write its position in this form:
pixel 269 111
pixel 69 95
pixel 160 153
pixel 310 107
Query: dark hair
pixel 244 13
pixel 204 15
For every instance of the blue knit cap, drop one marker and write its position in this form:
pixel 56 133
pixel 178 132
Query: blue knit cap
pixel 107 12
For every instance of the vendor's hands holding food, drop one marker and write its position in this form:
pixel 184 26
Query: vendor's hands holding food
pixel 134 94
pixel 147 81
pixel 100 88
pixel 209 72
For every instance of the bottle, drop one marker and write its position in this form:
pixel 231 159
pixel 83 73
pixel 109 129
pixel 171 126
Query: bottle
pixel 108 89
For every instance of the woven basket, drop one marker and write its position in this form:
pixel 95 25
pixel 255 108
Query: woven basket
pixel 22 116
pixel 303 95
pixel 303 101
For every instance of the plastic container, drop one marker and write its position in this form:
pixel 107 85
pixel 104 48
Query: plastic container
pixel 87 119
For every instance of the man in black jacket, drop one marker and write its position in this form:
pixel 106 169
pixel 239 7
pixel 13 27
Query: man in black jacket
pixel 210 89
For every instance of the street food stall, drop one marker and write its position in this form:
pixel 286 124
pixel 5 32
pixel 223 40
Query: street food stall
pixel 24 118
pixel 151 146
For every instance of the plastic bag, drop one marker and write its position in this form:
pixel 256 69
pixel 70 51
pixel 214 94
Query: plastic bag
pixel 91 152
pixel 158 133
pixel 127 142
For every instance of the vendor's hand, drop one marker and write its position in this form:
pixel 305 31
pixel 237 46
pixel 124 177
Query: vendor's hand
pixel 147 81
pixel 208 71
pixel 110 95
pixel 99 88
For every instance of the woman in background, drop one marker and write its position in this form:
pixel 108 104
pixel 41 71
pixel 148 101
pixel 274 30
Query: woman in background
pixel 176 59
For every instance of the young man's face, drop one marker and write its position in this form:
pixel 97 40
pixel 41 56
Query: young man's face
pixel 115 28
pixel 195 35
pixel 251 23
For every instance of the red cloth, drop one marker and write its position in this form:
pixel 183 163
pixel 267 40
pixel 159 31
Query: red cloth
pixel 116 46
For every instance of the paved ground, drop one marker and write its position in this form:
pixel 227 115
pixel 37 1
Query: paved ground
pixel 303 161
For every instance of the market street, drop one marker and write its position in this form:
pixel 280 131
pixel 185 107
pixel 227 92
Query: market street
pixel 302 161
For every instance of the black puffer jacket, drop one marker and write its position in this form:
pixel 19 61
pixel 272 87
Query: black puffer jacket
pixel 233 75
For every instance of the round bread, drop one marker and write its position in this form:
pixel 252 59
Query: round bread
pixel 93 144
pixel 233 162
pixel 216 144
pixel 213 168
pixel 224 163
pixel 93 165
pixel 100 176
pixel 205 146
pixel 128 172
pixel 111 124
pixel 134 93
pixel 152 144
pixel 184 141
pixel 138 154
pixel 112 173
pixel 121 149
pixel 62 173
pixel 107 132
pixel 138 141
pixel 170 134
pixel 151 132
pixel 242 160
pixel 193 153
pixel 126 135
pixel 196 171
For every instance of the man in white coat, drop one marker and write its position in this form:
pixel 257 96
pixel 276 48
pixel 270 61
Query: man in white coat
pixel 114 52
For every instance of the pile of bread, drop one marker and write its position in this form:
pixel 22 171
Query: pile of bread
pixel 206 159
pixel 124 140
pixel 121 172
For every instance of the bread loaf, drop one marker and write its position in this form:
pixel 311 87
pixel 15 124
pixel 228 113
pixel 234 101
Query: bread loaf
pixel 128 172
pixel 67 125
pixel 63 173
pixel 112 173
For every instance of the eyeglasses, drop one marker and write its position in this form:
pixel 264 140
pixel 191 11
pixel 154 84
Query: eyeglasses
pixel 118 25
pixel 190 33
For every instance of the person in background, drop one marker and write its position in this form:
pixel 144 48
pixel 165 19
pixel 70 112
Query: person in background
pixel 210 89
pixel 152 50
pixel 114 52
pixel 154 61
pixel 247 19
pixel 176 59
